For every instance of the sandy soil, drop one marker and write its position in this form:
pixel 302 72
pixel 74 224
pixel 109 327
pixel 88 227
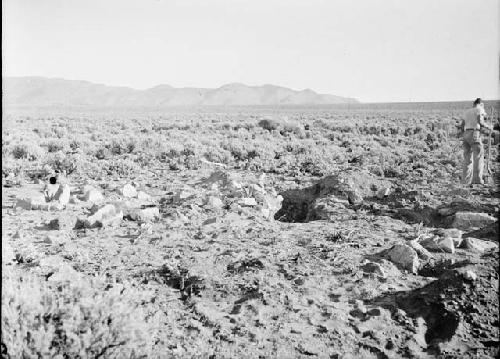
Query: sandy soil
pixel 317 281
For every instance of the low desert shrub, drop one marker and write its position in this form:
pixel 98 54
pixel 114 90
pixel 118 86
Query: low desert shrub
pixel 62 163
pixel 54 146
pixel 31 152
pixel 269 124
pixel 81 319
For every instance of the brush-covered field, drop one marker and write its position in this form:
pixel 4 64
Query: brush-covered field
pixel 246 233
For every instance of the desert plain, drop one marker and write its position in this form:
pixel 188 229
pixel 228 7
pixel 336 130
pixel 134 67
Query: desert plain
pixel 247 232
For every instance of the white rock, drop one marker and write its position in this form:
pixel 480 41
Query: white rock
pixel 354 197
pixel 65 273
pixel 143 196
pixel 30 201
pixel 74 200
pixel 479 245
pixel 214 202
pixel 404 256
pixel 93 195
pixel 247 201
pixel 105 216
pixel 183 195
pixel 466 220
pixel 454 234
pixel 470 275
pixel 383 192
pixel 375 268
pixel 8 255
pixel 146 214
pixel 421 251
pixel 128 191
pixel 447 245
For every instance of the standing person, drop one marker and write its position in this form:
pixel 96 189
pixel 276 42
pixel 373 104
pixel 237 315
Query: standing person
pixel 474 120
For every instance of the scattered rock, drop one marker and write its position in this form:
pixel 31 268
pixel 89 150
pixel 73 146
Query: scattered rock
pixel 479 245
pixel 354 198
pixel 8 255
pixel 183 195
pixel 105 216
pixel 383 192
pixel 453 233
pixel 62 223
pixel 214 202
pixel 54 239
pixel 405 257
pixel 447 245
pixel 421 251
pixel 467 220
pixel 128 191
pixel 143 196
pixel 74 200
pixel 470 275
pixel 64 273
pixel 247 201
pixel 91 194
pixel 144 215
pixel 375 268
pixel 245 265
pixel 31 201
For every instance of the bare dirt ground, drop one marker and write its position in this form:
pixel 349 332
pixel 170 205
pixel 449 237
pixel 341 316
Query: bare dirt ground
pixel 255 234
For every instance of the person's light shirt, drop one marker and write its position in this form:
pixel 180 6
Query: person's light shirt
pixel 474 117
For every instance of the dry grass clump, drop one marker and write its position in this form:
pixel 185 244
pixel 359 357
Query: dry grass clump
pixel 77 320
pixel 28 151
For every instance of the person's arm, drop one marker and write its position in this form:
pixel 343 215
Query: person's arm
pixel 481 118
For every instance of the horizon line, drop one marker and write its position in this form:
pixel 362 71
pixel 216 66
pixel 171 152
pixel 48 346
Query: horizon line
pixel 240 83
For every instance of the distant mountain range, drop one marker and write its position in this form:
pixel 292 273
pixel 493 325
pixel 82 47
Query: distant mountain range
pixel 40 91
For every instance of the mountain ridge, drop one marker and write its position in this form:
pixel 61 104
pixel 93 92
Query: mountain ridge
pixel 42 91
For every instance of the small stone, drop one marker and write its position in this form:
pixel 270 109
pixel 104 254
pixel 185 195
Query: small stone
pixel 209 221
pixel 445 211
pixel 74 200
pixel 479 245
pixel 421 251
pixel 405 257
pixel 214 202
pixel 467 220
pixel 128 191
pixel 65 273
pixel 453 233
pixel 182 195
pixel 8 255
pixel 447 245
pixel 62 223
pixel 143 196
pixel 375 268
pixel 105 216
pixel 383 192
pixel 247 201
pixel 470 275
pixel 145 215
pixel 93 195
pixel 354 198
pixel 31 201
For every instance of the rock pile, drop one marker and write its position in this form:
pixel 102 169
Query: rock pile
pixel 223 190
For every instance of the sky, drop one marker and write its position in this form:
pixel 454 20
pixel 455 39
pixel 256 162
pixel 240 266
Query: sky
pixel 373 50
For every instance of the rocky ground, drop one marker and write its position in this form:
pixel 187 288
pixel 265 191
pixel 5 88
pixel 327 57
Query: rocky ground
pixel 221 261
